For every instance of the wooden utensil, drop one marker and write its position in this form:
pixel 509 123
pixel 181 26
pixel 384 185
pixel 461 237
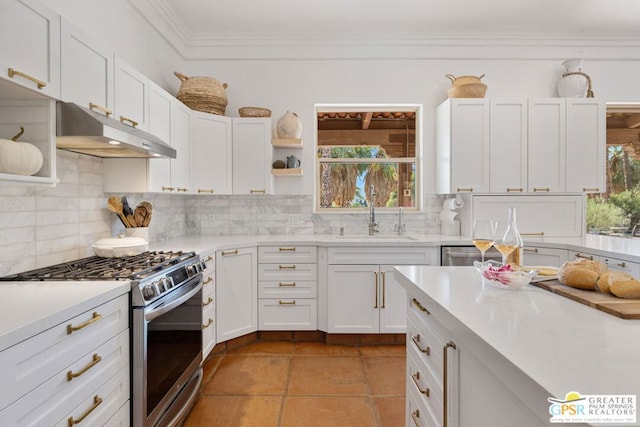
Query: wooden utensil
pixel 127 211
pixel 115 205
pixel 149 209
pixel 139 215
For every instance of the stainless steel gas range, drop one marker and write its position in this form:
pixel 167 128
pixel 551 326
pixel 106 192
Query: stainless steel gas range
pixel 166 326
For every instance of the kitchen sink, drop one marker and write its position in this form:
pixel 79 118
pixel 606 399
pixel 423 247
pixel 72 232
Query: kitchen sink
pixel 374 238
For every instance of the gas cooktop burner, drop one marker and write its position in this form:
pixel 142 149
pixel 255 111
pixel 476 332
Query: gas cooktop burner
pixel 135 267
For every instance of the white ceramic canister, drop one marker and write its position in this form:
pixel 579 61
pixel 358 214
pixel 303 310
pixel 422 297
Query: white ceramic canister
pixel 575 85
pixel 289 126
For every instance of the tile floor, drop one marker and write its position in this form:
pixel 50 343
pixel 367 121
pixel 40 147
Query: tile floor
pixel 305 384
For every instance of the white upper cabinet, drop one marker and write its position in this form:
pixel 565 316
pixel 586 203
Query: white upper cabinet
pixel 252 155
pixel 87 71
pixel 508 146
pixel 160 125
pixel 30 46
pixel 547 145
pixel 131 105
pixel 211 153
pixel 180 138
pixel 462 141
pixel 586 145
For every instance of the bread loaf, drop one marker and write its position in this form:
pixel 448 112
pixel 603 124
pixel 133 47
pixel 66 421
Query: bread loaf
pixel 581 273
pixel 607 278
pixel 626 288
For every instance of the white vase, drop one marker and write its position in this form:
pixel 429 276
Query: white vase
pixel 573 86
pixel 289 126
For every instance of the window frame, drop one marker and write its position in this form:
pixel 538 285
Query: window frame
pixel 369 107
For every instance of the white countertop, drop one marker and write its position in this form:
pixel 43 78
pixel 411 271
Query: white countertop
pixel 626 249
pixel 560 344
pixel 28 308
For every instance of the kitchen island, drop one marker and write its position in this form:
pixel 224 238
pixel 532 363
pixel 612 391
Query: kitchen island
pixel 514 349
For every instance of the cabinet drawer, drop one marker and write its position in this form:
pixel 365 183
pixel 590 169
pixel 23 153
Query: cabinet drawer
pixel 427 349
pixel 544 256
pixel 58 395
pixel 287 314
pixel 32 362
pixel 209 258
pixel 122 418
pixel 208 287
pixel 420 385
pixel 620 265
pixel 393 255
pixel 417 414
pixel 287 289
pixel 287 272
pixel 287 254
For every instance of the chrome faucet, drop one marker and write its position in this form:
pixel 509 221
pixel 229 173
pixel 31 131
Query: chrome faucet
pixel 399 227
pixel 373 225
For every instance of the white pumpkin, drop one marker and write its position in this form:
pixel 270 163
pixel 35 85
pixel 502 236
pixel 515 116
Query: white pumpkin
pixel 19 158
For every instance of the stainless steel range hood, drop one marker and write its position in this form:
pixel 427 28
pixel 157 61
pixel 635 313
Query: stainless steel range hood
pixel 84 131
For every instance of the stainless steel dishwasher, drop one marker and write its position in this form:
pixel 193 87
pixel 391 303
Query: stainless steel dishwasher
pixel 459 256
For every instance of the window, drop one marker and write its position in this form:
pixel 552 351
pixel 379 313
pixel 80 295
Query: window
pixel 358 146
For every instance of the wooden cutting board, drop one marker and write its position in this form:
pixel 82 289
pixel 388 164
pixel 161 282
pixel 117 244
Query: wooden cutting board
pixel 620 307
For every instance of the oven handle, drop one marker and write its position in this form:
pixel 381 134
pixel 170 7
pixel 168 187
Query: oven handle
pixel 153 313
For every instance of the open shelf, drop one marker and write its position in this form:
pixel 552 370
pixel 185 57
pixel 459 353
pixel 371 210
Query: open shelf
pixel 286 143
pixel 287 172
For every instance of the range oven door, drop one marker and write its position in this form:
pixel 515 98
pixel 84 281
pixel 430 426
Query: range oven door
pixel 167 356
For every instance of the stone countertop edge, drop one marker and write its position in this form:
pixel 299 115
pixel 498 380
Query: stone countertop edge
pixel 624 249
pixel 29 308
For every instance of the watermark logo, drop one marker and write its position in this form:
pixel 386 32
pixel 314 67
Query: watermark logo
pixel 606 408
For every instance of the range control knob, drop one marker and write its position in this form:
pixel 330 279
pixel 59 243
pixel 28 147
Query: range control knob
pixel 160 284
pixel 192 270
pixel 167 282
pixel 148 291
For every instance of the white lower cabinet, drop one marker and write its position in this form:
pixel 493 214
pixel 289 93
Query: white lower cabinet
pixel 455 379
pixel 287 282
pixel 236 292
pixel 616 264
pixel 537 256
pixel 208 302
pixel 78 369
pixel 362 294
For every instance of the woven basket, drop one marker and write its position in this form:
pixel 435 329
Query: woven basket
pixel 202 94
pixel 470 90
pixel 254 112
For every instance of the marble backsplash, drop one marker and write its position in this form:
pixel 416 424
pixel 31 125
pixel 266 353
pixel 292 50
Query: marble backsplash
pixel 44 226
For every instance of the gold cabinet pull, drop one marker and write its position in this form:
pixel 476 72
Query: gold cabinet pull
pixel 252 191
pixel 210 191
pixel 591 190
pixel 124 119
pixel 375 287
pixel 167 188
pixel 234 252
pixel 287 285
pixel 95 317
pixel 579 255
pixel 208 324
pixel 620 264
pixel 209 258
pixel 541 189
pixel 540 233
pixel 97 400
pixel 107 112
pixel 416 378
pixel 465 190
pixel 287 302
pixel 445 384
pixel 184 190
pixel 530 251
pixel 96 359
pixel 514 190
pixel 384 289
pixel 208 280
pixel 287 267
pixel 420 306
pixel 414 416
pixel 416 340
pixel 209 301
pixel 39 83
pixel 290 249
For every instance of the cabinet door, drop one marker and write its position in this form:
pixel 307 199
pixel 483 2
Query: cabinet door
pixel 586 145
pixel 237 293
pixel 251 156
pixel 160 124
pixel 393 303
pixel 470 145
pixel 87 70
pixel 131 105
pixel 211 155
pixel 30 44
pixel 508 146
pixel 181 136
pixel 547 145
pixel 533 256
pixel 353 299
